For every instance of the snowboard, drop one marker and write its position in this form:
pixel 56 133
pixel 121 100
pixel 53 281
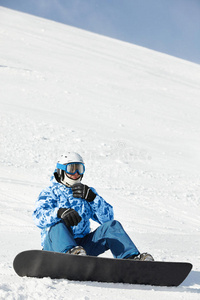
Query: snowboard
pixel 39 263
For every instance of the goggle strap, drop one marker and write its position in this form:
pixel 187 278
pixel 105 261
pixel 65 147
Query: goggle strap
pixel 60 166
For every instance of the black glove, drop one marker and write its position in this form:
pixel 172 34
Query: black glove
pixel 69 216
pixel 83 191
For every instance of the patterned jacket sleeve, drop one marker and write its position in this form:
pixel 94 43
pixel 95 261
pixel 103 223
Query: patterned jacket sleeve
pixel 45 214
pixel 102 211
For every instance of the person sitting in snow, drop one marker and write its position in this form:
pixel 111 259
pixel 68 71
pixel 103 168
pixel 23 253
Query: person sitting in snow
pixel 63 212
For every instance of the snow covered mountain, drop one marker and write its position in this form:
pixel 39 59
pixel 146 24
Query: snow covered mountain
pixel 132 113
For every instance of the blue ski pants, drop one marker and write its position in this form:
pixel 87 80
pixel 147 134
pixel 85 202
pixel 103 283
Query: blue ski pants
pixel 109 235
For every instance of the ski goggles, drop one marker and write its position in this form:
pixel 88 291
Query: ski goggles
pixel 72 168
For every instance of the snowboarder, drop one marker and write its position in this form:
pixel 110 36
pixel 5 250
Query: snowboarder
pixel 63 212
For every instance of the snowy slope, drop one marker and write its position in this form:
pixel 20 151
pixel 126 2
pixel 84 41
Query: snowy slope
pixel 132 113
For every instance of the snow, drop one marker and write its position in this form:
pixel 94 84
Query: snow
pixel 132 113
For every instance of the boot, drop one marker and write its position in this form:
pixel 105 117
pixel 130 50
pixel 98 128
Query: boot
pixel 78 250
pixel 142 257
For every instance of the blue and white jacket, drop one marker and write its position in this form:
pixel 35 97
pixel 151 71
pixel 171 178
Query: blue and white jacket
pixel 56 196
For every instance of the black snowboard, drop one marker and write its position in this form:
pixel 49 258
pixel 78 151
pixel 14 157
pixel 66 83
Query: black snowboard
pixel 38 263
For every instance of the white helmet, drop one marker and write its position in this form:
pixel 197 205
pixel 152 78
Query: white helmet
pixel 69 163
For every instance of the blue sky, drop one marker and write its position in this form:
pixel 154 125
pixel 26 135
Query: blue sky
pixel 169 26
